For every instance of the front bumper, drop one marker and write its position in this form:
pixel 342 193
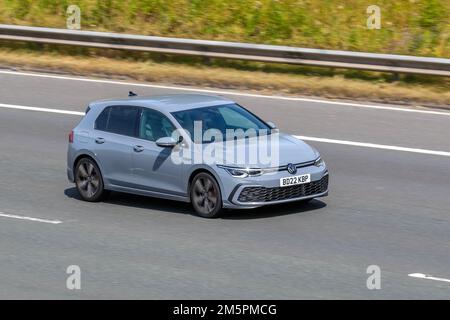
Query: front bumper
pixel 265 190
pixel 248 195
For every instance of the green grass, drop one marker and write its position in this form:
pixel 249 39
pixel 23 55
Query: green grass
pixel 415 27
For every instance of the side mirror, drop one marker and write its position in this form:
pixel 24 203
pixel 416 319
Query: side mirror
pixel 166 142
pixel 272 125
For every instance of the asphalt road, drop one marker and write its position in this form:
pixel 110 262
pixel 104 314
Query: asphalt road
pixel 386 207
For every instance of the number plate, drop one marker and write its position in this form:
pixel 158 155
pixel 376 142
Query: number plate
pixel 292 181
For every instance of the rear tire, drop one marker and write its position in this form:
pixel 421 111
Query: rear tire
pixel 205 196
pixel 89 181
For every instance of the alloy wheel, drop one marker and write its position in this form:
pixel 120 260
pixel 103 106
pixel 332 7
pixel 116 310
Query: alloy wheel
pixel 87 179
pixel 205 196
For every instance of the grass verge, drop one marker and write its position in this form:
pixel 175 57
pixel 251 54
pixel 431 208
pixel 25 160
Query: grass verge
pixel 414 27
pixel 430 94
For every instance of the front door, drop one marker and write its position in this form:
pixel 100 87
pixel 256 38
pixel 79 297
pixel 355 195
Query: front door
pixel 153 167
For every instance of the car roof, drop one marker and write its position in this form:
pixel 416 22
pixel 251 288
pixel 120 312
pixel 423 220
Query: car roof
pixel 167 103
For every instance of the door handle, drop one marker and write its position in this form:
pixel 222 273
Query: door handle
pixel 99 140
pixel 138 148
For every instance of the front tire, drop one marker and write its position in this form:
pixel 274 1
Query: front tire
pixel 89 180
pixel 205 196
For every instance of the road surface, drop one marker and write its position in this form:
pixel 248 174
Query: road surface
pixel 389 205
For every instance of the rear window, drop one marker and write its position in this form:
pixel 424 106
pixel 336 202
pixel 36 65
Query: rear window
pixel 118 119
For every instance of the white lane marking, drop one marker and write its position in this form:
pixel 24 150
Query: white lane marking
pixel 306 138
pixel 427 277
pixel 375 146
pixel 13 216
pixel 10 106
pixel 222 92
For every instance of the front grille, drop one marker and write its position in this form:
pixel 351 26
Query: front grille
pixel 262 194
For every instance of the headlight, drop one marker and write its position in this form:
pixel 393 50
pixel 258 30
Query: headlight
pixel 242 172
pixel 319 162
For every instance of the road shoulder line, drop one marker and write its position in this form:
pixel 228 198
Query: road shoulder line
pixel 13 216
pixel 224 92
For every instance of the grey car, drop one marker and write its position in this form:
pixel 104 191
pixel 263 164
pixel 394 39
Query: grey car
pixel 151 145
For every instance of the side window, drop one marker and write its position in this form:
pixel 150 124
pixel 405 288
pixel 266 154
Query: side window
pixel 102 120
pixel 118 119
pixel 154 125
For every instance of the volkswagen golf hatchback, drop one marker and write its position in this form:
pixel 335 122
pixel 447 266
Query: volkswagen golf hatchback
pixel 201 149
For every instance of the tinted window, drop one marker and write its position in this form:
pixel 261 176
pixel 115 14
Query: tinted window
pixel 100 123
pixel 121 120
pixel 154 125
pixel 222 118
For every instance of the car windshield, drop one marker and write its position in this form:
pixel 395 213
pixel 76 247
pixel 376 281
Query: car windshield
pixel 229 121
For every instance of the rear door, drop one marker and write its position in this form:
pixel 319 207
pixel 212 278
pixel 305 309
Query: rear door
pixel 115 129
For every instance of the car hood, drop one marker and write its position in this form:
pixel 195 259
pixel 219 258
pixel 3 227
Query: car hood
pixel 281 150
pixel 294 150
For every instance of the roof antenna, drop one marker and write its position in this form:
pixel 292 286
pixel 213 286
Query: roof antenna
pixel 132 94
